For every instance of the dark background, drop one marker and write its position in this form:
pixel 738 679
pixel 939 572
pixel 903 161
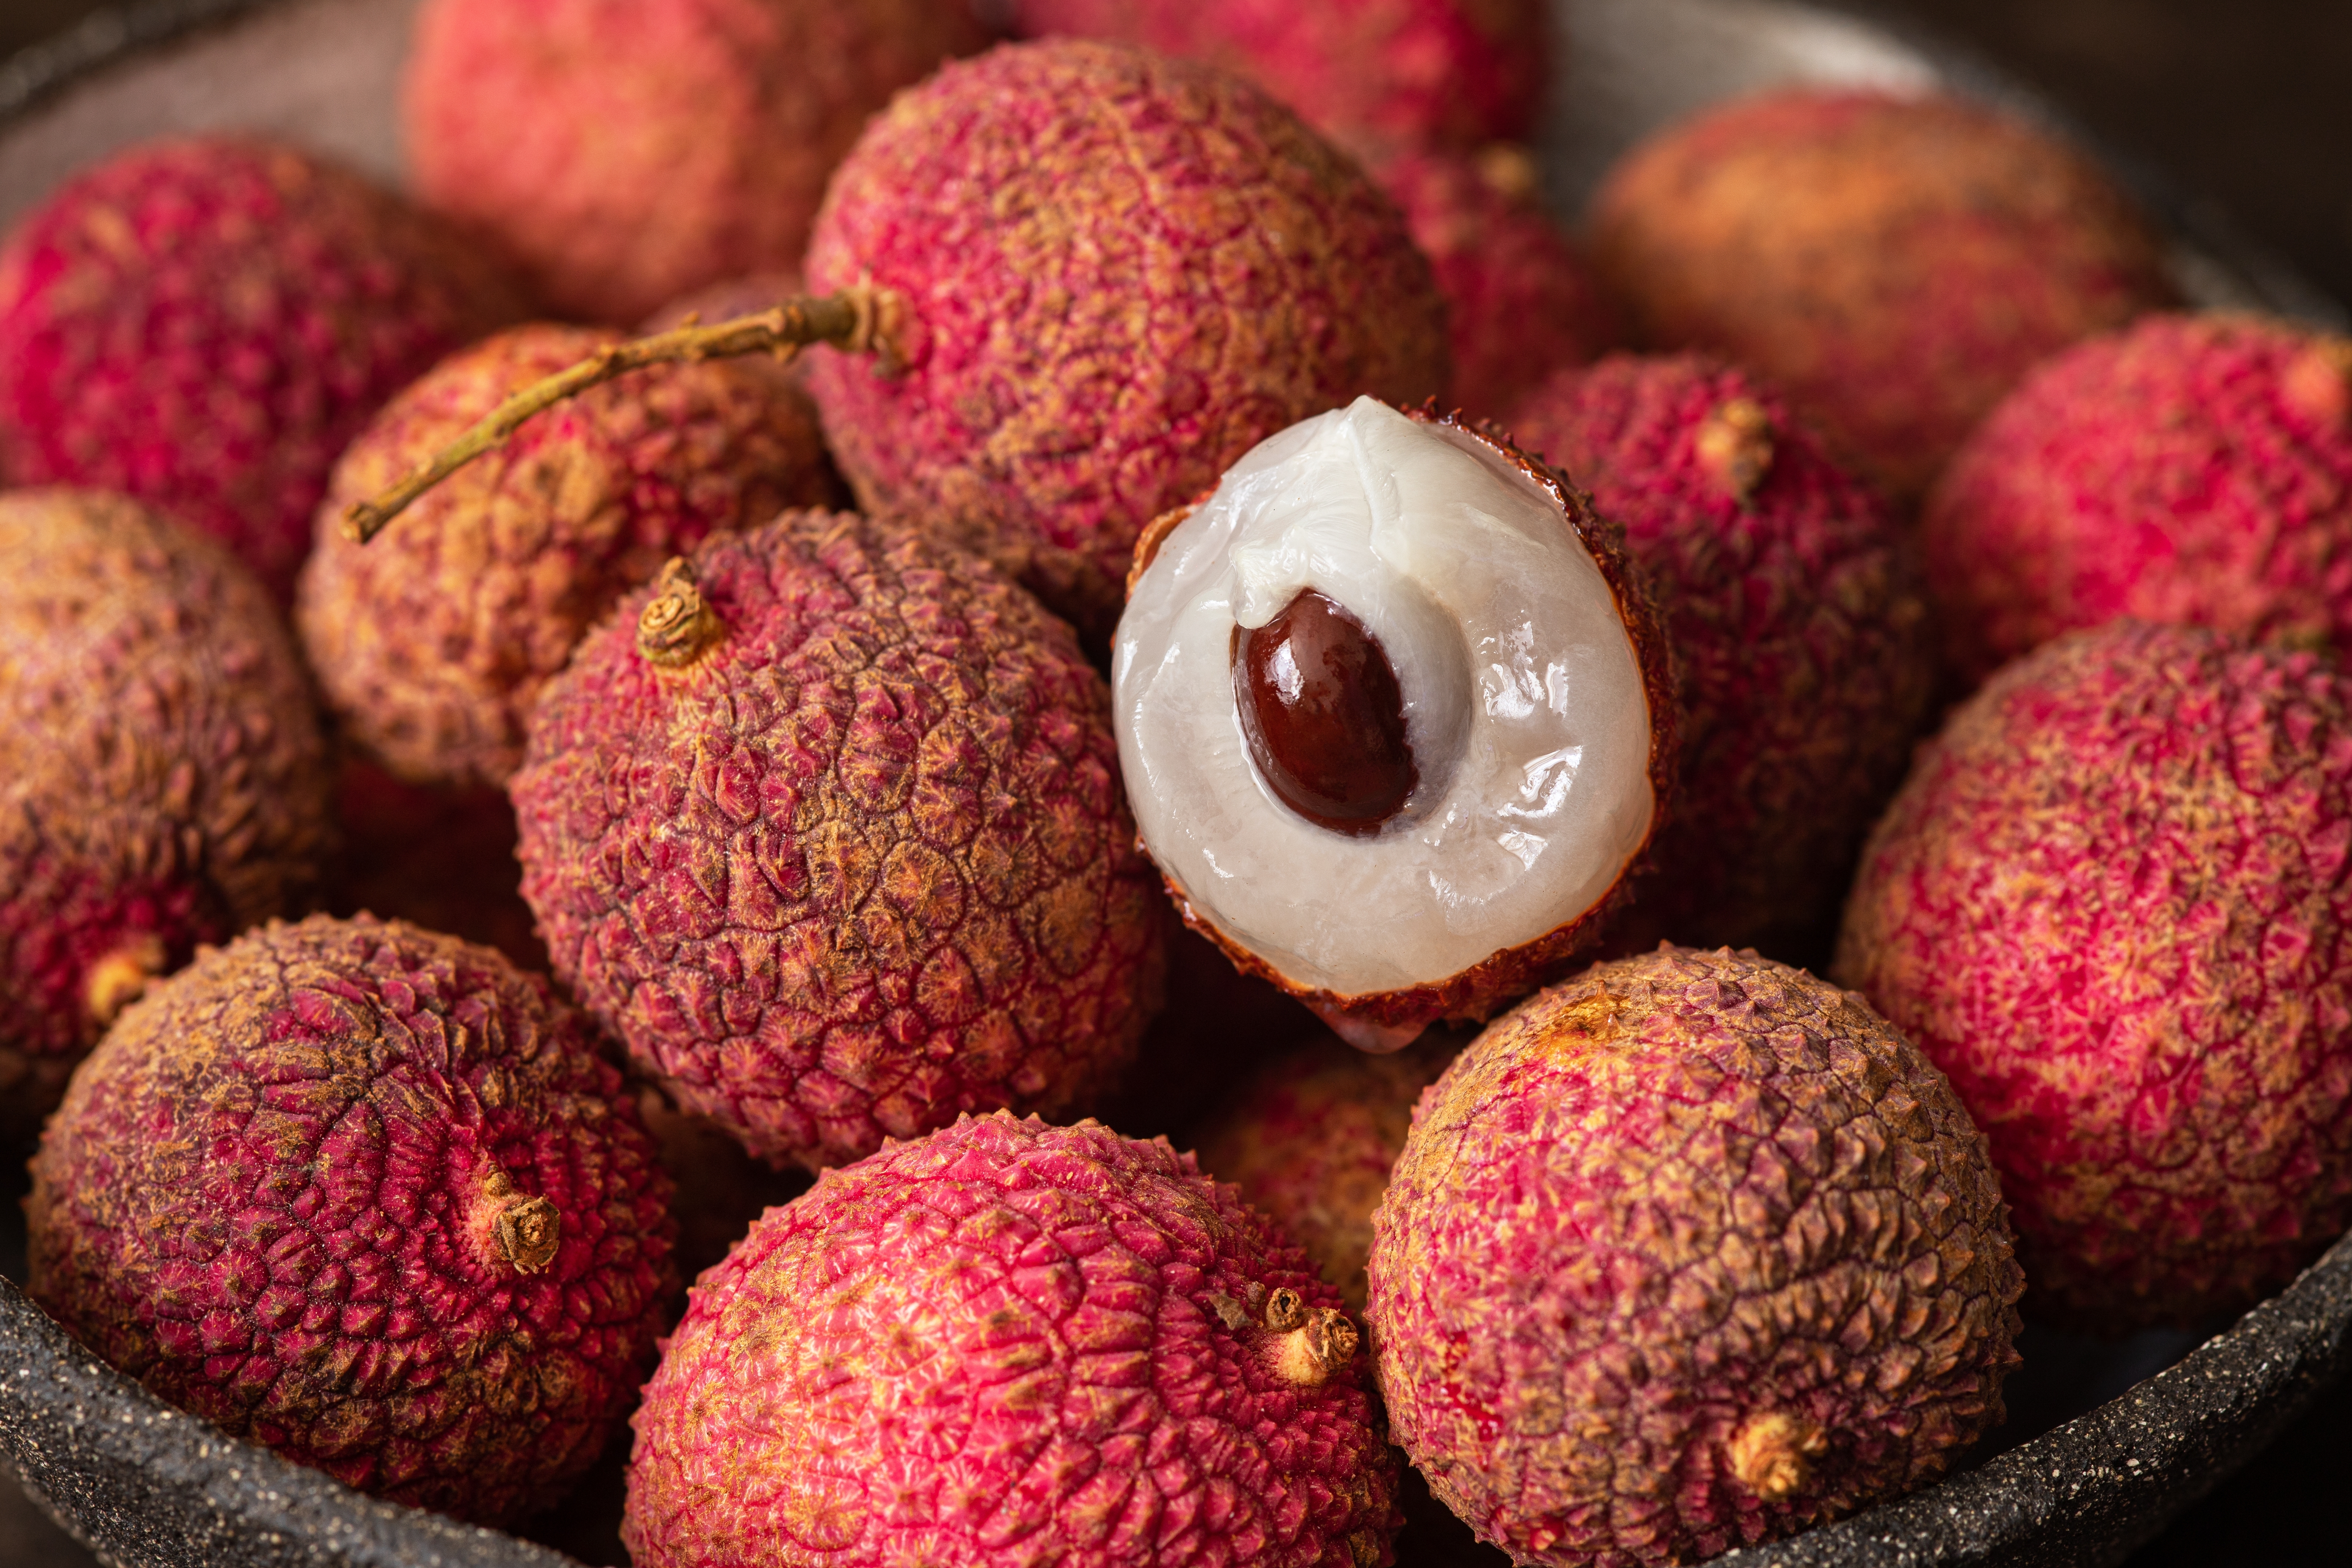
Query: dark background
pixel 2247 102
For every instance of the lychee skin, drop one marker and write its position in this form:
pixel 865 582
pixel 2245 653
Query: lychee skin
pixel 2193 469
pixel 432 641
pixel 2111 901
pixel 163 779
pixel 625 151
pixel 205 324
pixel 864 864
pixel 1007 1344
pixel 1122 273
pixel 1662 1219
pixel 1796 610
pixel 1896 264
pixel 369 1195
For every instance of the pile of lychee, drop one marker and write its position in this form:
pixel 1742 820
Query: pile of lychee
pixel 1117 587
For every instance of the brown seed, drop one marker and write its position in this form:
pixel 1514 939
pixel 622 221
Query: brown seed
pixel 1324 717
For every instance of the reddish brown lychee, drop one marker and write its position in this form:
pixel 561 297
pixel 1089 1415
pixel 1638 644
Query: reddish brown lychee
pixel 2194 469
pixel 368 1196
pixel 827 826
pixel 1688 1253
pixel 1006 1343
pixel 1896 263
pixel 1800 631
pixel 2112 902
pixel 432 855
pixel 162 780
pixel 432 642
pixel 205 324
pixel 626 150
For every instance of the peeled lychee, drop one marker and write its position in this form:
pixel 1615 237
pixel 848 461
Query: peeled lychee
pixel 1688 1253
pixel 628 151
pixel 1896 263
pixel 1799 627
pixel 827 827
pixel 2112 902
pixel 205 324
pixel 432 642
pixel 162 780
pixel 2194 469
pixel 368 1196
pixel 1009 1344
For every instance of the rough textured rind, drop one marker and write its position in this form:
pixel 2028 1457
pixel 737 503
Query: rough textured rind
pixel 1377 76
pixel 1798 623
pixel 1896 264
pixel 1123 272
pixel 280 1195
pixel 433 640
pixel 2111 901
pixel 628 151
pixel 2194 469
pixel 1659 1215
pixel 864 864
pixel 162 780
pixel 1007 1344
pixel 205 324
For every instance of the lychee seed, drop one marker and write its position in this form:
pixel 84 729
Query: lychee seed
pixel 1319 701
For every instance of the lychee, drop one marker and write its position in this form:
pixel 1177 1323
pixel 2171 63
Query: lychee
pixel 1800 630
pixel 1003 1344
pixel 205 324
pixel 2112 902
pixel 163 779
pixel 2193 469
pixel 826 825
pixel 368 1196
pixel 1688 1253
pixel 1896 263
pixel 626 150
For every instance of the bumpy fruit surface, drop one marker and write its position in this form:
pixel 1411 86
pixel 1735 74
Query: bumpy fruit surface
pixel 433 640
pixel 2112 902
pixel 1688 1253
pixel 162 780
pixel 628 151
pixel 1119 273
pixel 1896 264
pixel 2194 469
pixel 1006 1343
pixel 1799 627
pixel 371 1196
pixel 205 324
pixel 846 853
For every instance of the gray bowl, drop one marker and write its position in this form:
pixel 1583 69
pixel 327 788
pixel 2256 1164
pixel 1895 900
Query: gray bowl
pixel 2107 1444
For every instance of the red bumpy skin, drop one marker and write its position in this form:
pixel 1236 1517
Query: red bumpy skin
pixel 1896 264
pixel 432 642
pixel 2195 468
pixel 1120 273
pixel 369 1195
pixel 626 150
pixel 1798 617
pixel 1008 1344
pixel 856 859
pixel 162 780
pixel 2111 901
pixel 205 324
pixel 1689 1253
pixel 1379 75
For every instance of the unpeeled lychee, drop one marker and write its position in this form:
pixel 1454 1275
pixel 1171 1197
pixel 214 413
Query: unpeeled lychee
pixel 205 324
pixel 2112 902
pixel 1011 1343
pixel 1688 1253
pixel 2194 469
pixel 827 827
pixel 368 1196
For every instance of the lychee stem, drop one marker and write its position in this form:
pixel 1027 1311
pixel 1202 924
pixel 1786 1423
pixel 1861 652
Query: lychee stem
pixel 1772 1455
pixel 119 978
pixel 1735 446
pixel 860 319
pixel 677 626
pixel 523 1231
pixel 1307 1347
